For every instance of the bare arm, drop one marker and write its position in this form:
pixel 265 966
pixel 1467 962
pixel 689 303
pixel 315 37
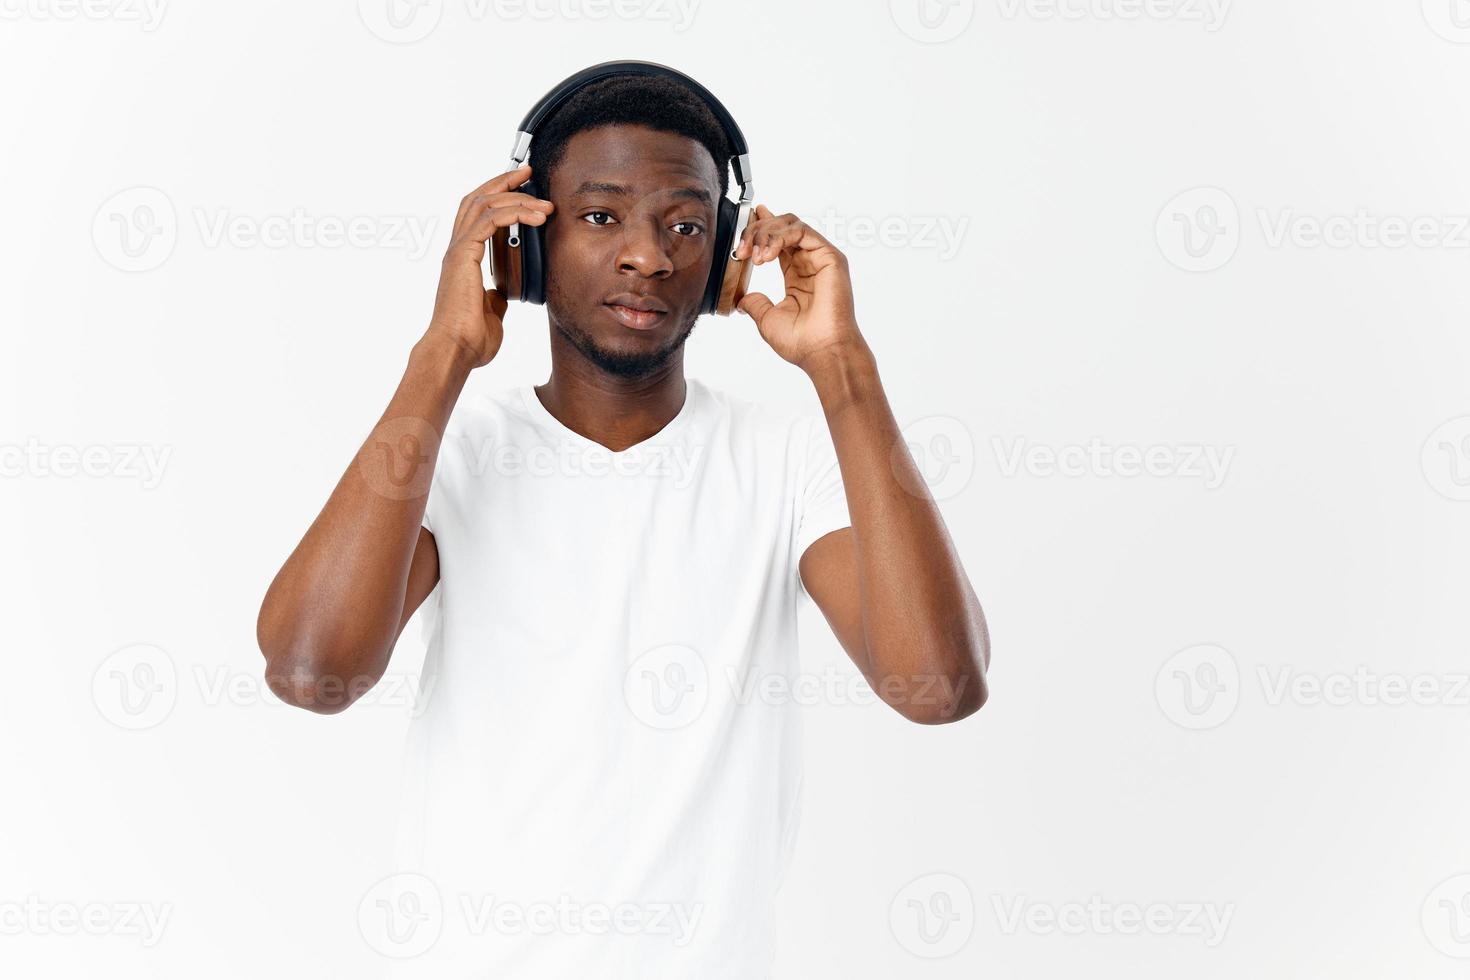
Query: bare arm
pixel 891 586
pixel 330 619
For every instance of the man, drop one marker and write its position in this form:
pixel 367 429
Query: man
pixel 604 781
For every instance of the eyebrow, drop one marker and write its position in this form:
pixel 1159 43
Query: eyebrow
pixel 602 187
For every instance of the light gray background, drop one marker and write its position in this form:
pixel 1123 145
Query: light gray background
pixel 1131 192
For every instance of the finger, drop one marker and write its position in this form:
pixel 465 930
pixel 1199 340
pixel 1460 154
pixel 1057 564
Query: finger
pixel 504 199
pixel 495 303
pixel 480 227
pixel 759 223
pixel 483 226
pixel 767 221
pixel 745 248
pixel 502 182
pixel 755 306
pixel 776 234
pixel 795 235
pixel 742 247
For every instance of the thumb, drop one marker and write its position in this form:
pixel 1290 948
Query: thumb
pixel 495 303
pixel 755 305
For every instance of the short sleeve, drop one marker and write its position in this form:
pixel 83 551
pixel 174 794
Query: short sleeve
pixel 823 497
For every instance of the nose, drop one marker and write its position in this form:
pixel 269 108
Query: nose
pixel 644 251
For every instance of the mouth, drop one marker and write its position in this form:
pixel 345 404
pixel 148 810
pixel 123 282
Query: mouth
pixel 637 312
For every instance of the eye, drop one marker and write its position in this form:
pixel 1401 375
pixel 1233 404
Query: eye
pixel 692 229
pixel 591 216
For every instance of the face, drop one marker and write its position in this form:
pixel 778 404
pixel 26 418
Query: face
pixel 630 246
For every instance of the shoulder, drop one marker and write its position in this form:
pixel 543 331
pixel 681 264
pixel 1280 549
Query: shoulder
pixel 748 421
pixel 484 420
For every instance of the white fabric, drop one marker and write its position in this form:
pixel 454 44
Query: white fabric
pixel 603 780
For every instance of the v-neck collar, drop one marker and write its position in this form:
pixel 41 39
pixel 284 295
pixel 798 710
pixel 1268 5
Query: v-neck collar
pixel 543 417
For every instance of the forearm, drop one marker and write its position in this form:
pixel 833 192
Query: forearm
pixel 924 631
pixel 333 612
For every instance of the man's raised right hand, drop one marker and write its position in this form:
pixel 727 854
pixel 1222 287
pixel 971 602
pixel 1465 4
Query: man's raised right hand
pixel 464 310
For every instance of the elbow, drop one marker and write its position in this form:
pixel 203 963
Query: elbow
pixel 957 698
pixel 314 679
pixel 945 695
pixel 307 682
pixel 312 672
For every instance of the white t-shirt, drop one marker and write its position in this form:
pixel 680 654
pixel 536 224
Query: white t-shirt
pixel 603 780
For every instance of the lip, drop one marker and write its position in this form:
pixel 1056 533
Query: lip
pixel 637 312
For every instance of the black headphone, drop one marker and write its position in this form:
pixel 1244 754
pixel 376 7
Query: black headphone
pixel 517 255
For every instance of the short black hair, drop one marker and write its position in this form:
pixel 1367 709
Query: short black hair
pixel 655 101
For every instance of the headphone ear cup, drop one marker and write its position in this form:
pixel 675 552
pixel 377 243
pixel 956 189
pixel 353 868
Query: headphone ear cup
pixel 721 268
pixel 520 272
pixel 729 277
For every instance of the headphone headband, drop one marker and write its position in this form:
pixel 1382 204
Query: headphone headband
pixel 740 154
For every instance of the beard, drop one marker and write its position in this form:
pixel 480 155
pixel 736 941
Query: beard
pixel 628 365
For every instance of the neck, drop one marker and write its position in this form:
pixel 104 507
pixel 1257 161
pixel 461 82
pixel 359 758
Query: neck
pixel 612 411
